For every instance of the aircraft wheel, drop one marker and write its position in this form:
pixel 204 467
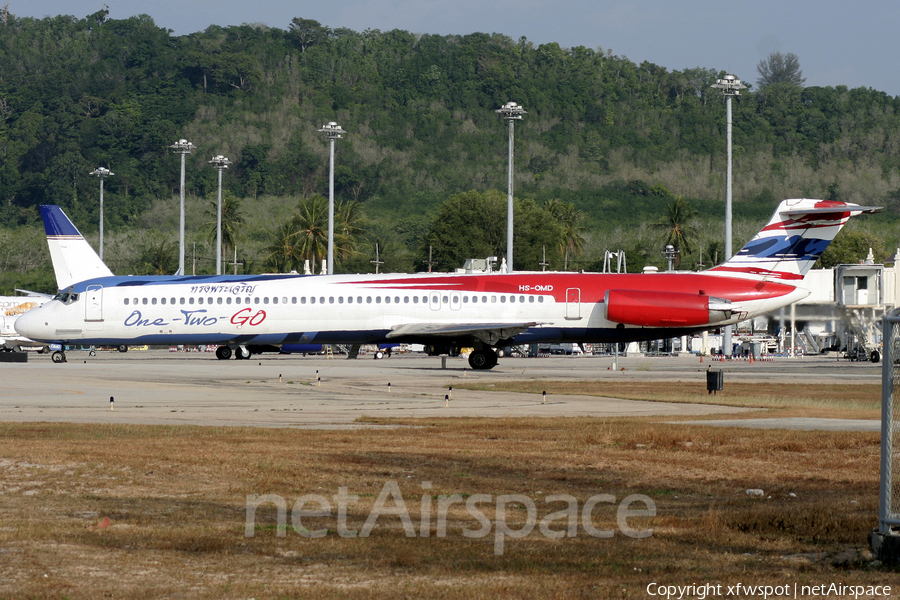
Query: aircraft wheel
pixel 483 359
pixel 379 355
pixel 122 348
pixel 875 356
pixel 58 357
pixel 44 350
pixel 241 353
pixel 223 353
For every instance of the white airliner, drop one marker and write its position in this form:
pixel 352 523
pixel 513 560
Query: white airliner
pixel 483 311
pixel 11 308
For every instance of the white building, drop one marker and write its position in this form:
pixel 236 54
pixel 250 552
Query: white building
pixel 844 310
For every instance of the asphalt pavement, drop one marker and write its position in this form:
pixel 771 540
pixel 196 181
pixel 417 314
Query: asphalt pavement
pixel 175 388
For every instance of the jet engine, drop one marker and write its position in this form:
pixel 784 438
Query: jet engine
pixel 664 309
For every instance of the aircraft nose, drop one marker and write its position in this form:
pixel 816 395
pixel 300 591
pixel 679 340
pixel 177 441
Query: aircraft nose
pixel 22 324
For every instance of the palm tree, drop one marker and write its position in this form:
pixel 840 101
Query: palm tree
pixel 676 225
pixel 232 222
pixel 310 225
pixel 715 251
pixel 348 220
pixel 569 219
pixel 159 257
pixel 282 251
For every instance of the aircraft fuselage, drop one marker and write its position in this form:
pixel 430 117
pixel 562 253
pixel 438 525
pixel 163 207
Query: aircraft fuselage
pixel 347 309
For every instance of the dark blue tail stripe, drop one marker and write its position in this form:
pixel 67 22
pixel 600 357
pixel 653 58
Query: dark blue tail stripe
pixel 56 223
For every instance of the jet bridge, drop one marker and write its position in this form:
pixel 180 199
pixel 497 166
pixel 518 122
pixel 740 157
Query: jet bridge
pixel 859 294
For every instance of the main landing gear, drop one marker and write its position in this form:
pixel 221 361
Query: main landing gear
pixel 225 352
pixel 483 359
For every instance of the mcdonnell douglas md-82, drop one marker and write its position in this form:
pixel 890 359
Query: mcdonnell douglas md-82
pixel 482 311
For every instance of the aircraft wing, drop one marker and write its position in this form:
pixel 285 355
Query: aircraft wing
pixel 489 333
pixel 30 293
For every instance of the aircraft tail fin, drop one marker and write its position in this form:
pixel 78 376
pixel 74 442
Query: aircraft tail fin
pixel 793 240
pixel 73 258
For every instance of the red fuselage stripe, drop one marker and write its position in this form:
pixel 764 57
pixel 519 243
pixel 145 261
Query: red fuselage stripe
pixel 592 287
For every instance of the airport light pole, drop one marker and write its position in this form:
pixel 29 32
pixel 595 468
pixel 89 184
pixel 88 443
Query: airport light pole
pixel 671 254
pixel 512 112
pixel 731 86
pixel 182 147
pixel 102 173
pixel 220 163
pixel 332 132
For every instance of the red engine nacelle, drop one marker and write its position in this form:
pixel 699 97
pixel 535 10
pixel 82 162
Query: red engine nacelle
pixel 662 309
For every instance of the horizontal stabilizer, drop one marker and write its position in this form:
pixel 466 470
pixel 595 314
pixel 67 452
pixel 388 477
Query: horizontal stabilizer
pixel 817 211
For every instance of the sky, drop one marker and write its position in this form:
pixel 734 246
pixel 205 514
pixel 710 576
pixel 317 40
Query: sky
pixel 838 42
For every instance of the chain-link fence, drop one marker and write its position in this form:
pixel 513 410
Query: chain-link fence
pixel 889 502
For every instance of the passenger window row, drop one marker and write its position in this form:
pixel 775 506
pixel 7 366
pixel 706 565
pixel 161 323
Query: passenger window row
pixel 237 300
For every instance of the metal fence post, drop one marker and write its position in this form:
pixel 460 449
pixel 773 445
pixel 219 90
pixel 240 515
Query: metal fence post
pixel 887 422
pixel 885 543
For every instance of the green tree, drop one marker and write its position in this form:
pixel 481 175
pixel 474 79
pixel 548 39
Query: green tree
pixel 282 254
pixel 714 253
pixel 76 93
pixel 473 225
pixel 305 237
pixel 780 68
pixel 677 226
pixel 310 226
pixel 159 257
pixel 232 221
pixel 569 219
pixel 850 247
pixel 348 229
pixel 304 33
pixel 392 256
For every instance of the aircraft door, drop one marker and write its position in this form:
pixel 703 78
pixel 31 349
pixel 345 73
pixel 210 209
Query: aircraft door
pixel 573 304
pixel 93 303
pixel 434 300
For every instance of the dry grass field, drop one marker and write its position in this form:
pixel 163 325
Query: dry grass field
pixel 127 511
pixel 850 401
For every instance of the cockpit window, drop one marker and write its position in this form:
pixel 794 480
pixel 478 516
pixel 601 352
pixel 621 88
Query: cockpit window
pixel 66 296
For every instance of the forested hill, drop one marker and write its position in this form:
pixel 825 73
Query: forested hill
pixel 609 136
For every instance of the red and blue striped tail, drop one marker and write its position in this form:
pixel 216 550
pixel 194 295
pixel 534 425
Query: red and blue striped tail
pixel 793 240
